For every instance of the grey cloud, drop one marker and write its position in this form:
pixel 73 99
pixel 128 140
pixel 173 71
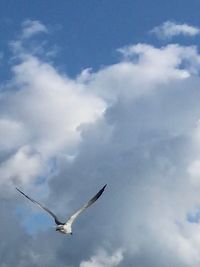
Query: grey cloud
pixel 145 171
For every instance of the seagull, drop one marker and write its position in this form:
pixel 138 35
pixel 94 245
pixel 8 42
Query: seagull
pixel 66 228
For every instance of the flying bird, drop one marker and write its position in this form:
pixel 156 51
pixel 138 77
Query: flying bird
pixel 66 228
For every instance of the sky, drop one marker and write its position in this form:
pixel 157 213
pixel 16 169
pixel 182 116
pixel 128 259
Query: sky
pixel 93 93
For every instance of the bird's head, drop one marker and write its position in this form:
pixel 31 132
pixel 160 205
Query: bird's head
pixel 60 228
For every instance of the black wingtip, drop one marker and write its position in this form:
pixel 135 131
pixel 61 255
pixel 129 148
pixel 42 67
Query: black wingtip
pixel 19 190
pixel 104 187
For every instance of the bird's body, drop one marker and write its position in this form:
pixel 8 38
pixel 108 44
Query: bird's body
pixel 66 228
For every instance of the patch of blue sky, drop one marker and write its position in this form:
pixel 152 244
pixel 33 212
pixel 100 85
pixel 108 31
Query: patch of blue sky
pixel 37 222
pixel 33 222
pixel 41 179
pixel 79 27
pixel 53 166
pixel 52 170
pixel 194 217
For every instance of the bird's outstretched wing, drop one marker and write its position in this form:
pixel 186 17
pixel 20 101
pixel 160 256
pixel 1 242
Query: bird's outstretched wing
pixel 88 204
pixel 42 207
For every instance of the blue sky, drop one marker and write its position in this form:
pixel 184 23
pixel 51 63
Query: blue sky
pixel 88 32
pixel 95 92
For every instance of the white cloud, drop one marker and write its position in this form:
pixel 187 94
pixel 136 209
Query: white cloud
pixel 143 69
pixel 194 171
pixel 58 104
pixel 32 27
pixel 12 134
pixel 21 167
pixel 170 29
pixel 43 110
pixel 102 259
pixel 48 109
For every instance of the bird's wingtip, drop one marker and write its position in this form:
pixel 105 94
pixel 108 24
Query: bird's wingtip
pixel 18 189
pixel 104 186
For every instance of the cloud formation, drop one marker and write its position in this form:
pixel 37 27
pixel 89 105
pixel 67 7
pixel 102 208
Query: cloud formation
pixel 102 259
pixel 134 125
pixel 31 28
pixel 41 113
pixel 170 29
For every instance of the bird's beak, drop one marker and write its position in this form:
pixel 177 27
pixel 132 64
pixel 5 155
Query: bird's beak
pixel 71 234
